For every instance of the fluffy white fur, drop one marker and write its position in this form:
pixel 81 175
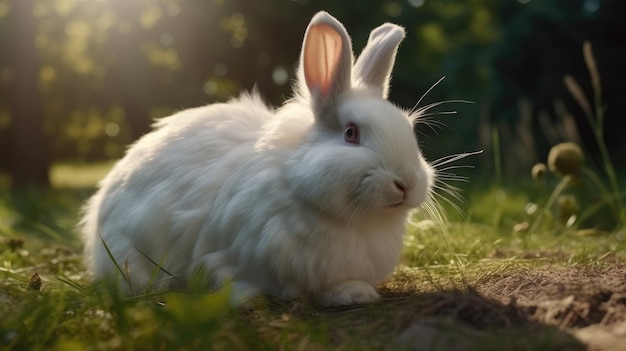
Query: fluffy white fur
pixel 275 200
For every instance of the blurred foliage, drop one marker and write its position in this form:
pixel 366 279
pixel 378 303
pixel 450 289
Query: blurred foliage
pixel 108 67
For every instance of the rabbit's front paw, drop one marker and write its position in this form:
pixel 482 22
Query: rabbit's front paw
pixel 348 293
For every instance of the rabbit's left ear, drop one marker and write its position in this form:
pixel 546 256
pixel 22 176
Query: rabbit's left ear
pixel 326 64
pixel 374 65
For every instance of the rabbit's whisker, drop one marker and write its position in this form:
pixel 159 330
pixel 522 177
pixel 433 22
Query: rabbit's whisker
pixel 425 108
pixel 427 91
pixel 454 157
pixel 451 177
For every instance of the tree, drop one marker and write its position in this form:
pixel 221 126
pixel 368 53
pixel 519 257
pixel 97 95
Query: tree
pixel 30 159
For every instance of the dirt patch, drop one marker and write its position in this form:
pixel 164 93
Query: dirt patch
pixel 566 297
pixel 572 308
pixel 590 302
pixel 500 307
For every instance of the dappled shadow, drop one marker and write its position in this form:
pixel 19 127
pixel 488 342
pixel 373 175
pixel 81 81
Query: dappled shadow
pixel 468 320
pixel 551 307
pixel 573 308
pixel 439 320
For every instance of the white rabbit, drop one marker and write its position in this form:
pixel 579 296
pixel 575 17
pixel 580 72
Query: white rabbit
pixel 309 200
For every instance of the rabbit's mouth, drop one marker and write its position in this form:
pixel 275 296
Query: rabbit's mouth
pixel 395 201
pixel 397 204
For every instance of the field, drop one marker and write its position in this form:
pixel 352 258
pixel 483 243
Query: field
pixel 511 273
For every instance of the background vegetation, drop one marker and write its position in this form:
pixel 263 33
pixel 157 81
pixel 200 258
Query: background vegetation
pixel 80 79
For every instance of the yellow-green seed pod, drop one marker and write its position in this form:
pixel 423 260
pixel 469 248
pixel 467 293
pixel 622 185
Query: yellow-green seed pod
pixel 565 158
pixel 539 171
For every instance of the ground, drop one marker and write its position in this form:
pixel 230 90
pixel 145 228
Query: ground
pixel 482 281
pixel 580 302
pixel 589 302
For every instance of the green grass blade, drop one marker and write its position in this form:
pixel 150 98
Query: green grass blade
pixel 117 266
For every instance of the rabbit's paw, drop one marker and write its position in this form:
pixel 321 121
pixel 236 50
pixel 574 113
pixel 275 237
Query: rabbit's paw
pixel 242 293
pixel 348 293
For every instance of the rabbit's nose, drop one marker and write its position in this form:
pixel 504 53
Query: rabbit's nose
pixel 399 188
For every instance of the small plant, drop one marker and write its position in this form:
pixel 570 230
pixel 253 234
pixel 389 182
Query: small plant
pixel 576 193
pixel 565 159
pixel 581 192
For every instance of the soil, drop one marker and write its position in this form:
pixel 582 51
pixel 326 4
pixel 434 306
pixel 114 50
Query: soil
pixel 588 302
pixel 571 308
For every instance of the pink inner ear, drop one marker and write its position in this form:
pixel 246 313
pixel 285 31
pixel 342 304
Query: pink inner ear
pixel 322 51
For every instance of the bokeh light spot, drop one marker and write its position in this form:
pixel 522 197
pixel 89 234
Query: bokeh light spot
pixel 393 9
pixel 173 9
pixel 416 3
pixel 4 9
pixel 112 129
pixel 210 87
pixel 280 75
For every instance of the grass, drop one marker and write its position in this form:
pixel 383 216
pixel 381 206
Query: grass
pixel 437 299
pixel 537 266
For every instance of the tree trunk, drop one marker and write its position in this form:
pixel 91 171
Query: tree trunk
pixel 28 145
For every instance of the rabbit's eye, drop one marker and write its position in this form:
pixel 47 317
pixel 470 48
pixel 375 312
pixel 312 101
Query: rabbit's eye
pixel 351 134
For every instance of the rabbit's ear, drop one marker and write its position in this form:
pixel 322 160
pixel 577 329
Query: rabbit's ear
pixel 374 65
pixel 326 63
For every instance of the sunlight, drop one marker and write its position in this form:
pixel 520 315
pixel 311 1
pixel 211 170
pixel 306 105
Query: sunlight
pixel 236 25
pixel 4 9
pixel 64 7
pixel 150 17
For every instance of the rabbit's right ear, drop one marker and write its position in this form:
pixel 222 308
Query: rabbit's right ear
pixel 326 64
pixel 374 65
